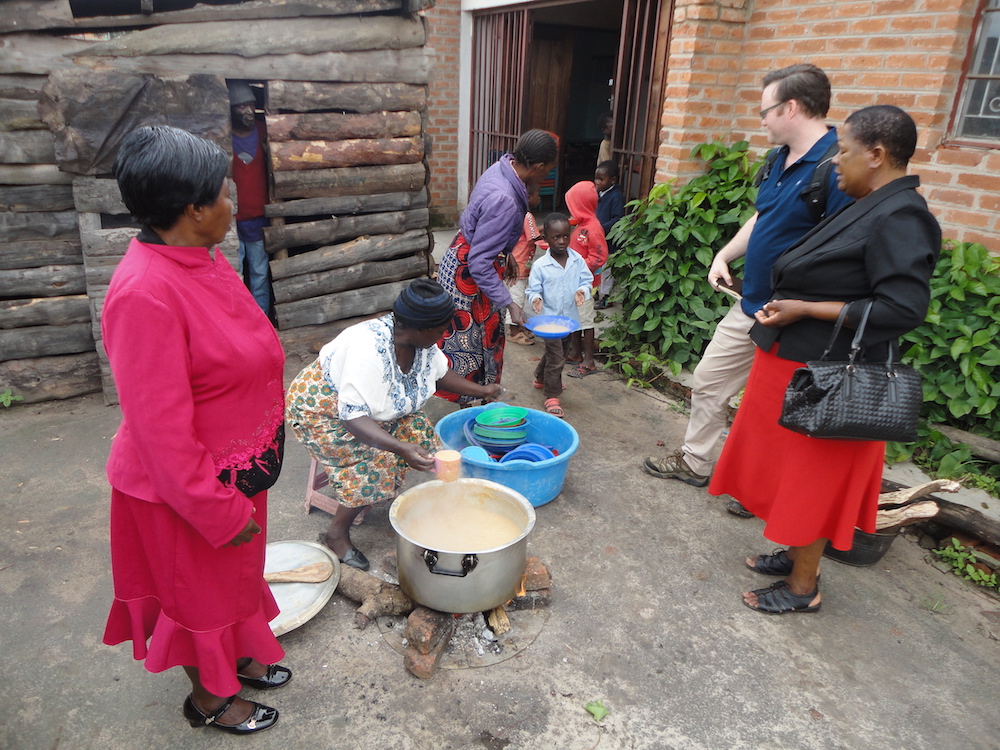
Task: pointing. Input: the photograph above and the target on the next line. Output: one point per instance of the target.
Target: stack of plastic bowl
(498, 431)
(528, 452)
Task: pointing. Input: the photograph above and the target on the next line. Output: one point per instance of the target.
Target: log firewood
(892, 518)
(331, 307)
(903, 496)
(333, 230)
(306, 96)
(348, 204)
(377, 597)
(360, 275)
(51, 378)
(297, 155)
(314, 183)
(360, 250)
(336, 126)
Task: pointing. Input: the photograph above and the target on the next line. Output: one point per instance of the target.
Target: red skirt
(195, 605)
(803, 488)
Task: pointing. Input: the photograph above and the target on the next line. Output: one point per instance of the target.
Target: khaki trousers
(720, 375)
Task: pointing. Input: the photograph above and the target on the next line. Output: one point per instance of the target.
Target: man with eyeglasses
(794, 103)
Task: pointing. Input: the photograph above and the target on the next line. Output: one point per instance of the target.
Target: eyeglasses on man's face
(764, 112)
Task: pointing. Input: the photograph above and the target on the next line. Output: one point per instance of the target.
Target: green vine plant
(8, 397)
(666, 244)
(963, 563)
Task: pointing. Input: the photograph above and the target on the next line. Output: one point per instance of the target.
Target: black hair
(610, 168)
(162, 170)
(603, 120)
(887, 126)
(806, 84)
(535, 147)
(553, 218)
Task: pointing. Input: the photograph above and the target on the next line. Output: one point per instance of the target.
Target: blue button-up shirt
(558, 285)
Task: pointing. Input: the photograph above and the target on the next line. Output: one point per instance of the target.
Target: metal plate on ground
(299, 602)
(463, 652)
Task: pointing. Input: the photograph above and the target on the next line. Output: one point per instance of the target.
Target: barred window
(979, 110)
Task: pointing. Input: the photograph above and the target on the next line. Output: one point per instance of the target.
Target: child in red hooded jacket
(588, 240)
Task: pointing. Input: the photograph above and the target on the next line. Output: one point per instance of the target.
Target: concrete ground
(646, 616)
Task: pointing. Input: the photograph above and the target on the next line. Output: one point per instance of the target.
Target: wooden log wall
(345, 84)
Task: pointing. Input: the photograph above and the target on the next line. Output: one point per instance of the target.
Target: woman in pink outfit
(199, 373)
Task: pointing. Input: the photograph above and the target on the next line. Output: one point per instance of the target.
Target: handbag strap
(856, 341)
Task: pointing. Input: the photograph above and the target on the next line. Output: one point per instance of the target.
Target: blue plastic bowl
(538, 481)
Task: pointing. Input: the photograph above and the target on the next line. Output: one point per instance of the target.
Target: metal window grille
(979, 112)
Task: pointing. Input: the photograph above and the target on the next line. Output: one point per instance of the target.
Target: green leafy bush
(964, 562)
(667, 242)
(957, 350)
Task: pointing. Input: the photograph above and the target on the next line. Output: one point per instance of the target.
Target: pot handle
(469, 563)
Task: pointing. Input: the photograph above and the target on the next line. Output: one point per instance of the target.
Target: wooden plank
(29, 15)
(44, 281)
(364, 98)
(27, 146)
(35, 253)
(23, 198)
(45, 341)
(348, 204)
(336, 126)
(16, 86)
(38, 54)
(983, 447)
(314, 183)
(98, 195)
(51, 378)
(349, 304)
(331, 230)
(282, 36)
(360, 250)
(37, 225)
(308, 340)
(958, 516)
(33, 174)
(19, 114)
(313, 285)
(404, 66)
(44, 311)
(106, 243)
(354, 152)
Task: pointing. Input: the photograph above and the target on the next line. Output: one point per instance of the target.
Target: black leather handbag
(853, 400)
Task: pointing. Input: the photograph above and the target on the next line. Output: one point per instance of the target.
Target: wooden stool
(317, 481)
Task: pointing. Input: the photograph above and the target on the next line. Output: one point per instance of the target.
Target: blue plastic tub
(538, 481)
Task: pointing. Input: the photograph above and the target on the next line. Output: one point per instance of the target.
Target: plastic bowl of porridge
(552, 326)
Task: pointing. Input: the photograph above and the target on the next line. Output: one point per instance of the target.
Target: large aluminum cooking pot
(462, 545)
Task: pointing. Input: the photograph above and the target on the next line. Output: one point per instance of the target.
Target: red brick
(954, 197)
(961, 157)
(536, 575)
(426, 628)
(423, 665)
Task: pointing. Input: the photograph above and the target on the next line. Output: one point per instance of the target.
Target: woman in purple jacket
(471, 268)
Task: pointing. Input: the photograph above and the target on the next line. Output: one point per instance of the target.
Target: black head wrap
(423, 304)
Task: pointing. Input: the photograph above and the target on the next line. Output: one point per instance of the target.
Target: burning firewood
(377, 597)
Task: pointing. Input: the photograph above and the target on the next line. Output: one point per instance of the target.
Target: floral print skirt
(359, 474)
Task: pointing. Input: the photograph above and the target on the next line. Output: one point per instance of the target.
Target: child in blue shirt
(558, 284)
(610, 208)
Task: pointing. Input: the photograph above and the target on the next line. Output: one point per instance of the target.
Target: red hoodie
(588, 235)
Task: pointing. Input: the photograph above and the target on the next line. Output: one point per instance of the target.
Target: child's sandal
(553, 407)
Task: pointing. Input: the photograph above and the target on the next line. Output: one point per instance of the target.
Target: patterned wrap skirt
(359, 474)
(474, 344)
(803, 488)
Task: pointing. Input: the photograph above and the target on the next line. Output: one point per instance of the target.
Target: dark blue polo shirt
(783, 218)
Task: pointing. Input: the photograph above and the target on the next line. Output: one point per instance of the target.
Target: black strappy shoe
(778, 599)
(276, 676)
(260, 718)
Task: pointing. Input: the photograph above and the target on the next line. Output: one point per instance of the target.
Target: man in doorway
(794, 103)
(250, 176)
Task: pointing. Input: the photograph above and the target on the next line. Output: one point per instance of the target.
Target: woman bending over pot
(880, 250)
(198, 369)
(357, 408)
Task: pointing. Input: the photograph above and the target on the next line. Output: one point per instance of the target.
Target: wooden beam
(313, 285)
(281, 36)
(97, 195)
(27, 198)
(349, 304)
(45, 341)
(44, 311)
(308, 340)
(333, 230)
(39, 54)
(33, 174)
(19, 114)
(336, 126)
(404, 66)
(51, 378)
(354, 152)
(16, 86)
(27, 146)
(360, 250)
(37, 225)
(348, 204)
(30, 15)
(959, 517)
(314, 183)
(983, 447)
(305, 96)
(35, 253)
(44, 281)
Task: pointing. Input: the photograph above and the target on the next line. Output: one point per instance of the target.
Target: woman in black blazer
(881, 249)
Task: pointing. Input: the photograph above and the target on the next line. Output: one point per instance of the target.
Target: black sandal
(260, 718)
(776, 564)
(778, 599)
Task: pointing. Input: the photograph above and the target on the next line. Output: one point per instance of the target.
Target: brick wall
(441, 124)
(904, 52)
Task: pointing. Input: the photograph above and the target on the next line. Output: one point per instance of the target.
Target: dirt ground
(646, 616)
